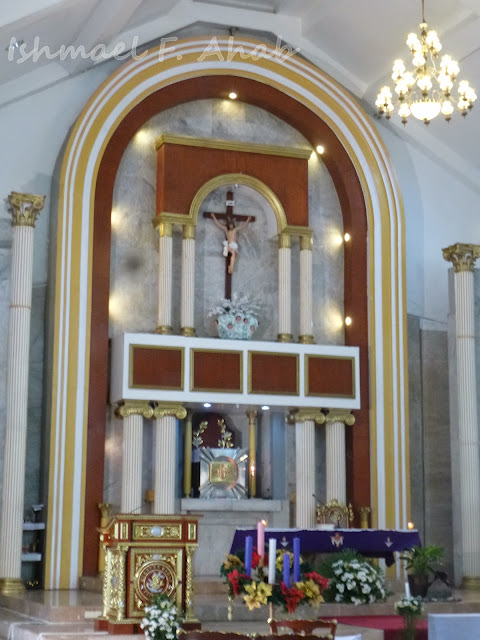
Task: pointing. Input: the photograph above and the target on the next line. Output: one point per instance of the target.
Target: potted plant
(422, 562)
(236, 318)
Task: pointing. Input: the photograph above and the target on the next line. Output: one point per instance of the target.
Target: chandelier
(426, 90)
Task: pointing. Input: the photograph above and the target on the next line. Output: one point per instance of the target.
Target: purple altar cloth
(373, 543)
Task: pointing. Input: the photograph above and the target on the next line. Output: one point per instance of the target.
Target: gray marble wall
(430, 449)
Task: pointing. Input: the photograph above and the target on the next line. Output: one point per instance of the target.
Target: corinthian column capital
(25, 208)
(462, 256)
(163, 410)
(340, 415)
(134, 408)
(306, 415)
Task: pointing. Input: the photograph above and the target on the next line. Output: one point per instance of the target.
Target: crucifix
(230, 246)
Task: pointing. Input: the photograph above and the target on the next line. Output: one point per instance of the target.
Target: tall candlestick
(296, 559)
(248, 555)
(272, 559)
(286, 569)
(261, 539)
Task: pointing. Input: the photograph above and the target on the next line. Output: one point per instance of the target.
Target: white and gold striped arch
(128, 86)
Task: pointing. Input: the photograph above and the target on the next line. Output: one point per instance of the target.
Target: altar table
(373, 543)
(458, 626)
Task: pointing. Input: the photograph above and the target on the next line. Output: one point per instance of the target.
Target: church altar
(373, 543)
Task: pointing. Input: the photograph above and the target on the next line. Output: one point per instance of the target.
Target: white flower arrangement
(161, 621)
(240, 303)
(356, 582)
(409, 607)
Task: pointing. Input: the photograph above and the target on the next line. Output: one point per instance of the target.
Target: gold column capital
(25, 208)
(164, 409)
(252, 416)
(340, 415)
(105, 511)
(306, 415)
(306, 243)
(462, 256)
(364, 513)
(165, 229)
(189, 231)
(134, 408)
(284, 241)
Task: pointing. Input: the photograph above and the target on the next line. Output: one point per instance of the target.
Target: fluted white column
(25, 209)
(336, 476)
(305, 508)
(165, 458)
(133, 413)
(165, 273)
(187, 321)
(306, 291)
(463, 257)
(284, 289)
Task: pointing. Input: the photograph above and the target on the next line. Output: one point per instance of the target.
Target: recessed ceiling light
(265, 407)
(207, 405)
(232, 95)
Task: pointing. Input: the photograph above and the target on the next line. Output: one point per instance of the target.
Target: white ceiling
(355, 41)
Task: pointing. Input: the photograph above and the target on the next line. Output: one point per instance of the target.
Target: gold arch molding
(246, 181)
(108, 107)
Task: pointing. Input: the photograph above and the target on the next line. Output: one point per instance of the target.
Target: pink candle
(261, 539)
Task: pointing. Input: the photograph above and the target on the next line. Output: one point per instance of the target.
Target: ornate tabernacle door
(146, 555)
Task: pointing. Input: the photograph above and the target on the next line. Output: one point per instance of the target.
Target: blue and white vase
(236, 326)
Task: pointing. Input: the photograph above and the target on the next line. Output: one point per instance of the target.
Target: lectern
(146, 555)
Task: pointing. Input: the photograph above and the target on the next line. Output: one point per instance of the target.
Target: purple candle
(248, 555)
(286, 569)
(296, 559)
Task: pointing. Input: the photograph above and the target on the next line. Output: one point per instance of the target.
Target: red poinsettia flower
(292, 596)
(320, 580)
(255, 559)
(234, 577)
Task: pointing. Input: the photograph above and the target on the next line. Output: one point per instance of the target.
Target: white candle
(261, 539)
(272, 558)
(407, 591)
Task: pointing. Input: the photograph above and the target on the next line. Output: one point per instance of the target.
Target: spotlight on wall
(347, 237)
(348, 321)
(410, 525)
(207, 405)
(320, 149)
(232, 95)
(142, 138)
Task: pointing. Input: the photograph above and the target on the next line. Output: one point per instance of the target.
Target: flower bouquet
(411, 609)
(161, 621)
(279, 590)
(354, 580)
(236, 317)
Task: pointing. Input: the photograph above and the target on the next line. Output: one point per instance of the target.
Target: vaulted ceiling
(355, 41)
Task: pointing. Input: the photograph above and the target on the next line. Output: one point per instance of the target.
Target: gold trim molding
(340, 415)
(305, 415)
(134, 408)
(284, 241)
(306, 243)
(165, 229)
(164, 330)
(162, 410)
(25, 208)
(230, 145)
(11, 585)
(462, 256)
(188, 332)
(306, 339)
(471, 583)
(285, 337)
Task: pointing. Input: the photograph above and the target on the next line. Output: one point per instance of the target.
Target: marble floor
(70, 615)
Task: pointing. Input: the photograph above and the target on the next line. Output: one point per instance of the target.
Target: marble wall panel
(417, 479)
(437, 450)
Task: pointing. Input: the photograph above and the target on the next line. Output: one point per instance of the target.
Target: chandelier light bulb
(426, 90)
